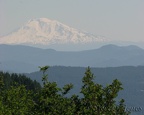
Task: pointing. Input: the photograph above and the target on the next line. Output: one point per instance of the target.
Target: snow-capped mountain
(44, 31)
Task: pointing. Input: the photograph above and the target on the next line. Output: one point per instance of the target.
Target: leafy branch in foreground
(96, 99)
(50, 99)
(99, 100)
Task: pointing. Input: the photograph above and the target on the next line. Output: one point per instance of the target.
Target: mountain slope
(44, 31)
(30, 58)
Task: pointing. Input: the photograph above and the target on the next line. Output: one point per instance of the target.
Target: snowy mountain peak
(44, 31)
(46, 20)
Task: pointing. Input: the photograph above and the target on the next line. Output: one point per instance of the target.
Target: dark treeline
(20, 95)
(13, 79)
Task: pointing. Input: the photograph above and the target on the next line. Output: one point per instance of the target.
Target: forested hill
(12, 79)
(132, 79)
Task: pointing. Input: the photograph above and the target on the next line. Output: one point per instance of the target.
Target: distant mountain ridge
(19, 58)
(43, 31)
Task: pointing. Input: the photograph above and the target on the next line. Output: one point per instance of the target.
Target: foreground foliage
(52, 100)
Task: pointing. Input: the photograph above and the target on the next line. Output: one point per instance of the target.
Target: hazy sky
(114, 19)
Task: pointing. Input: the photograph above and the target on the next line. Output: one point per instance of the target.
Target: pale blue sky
(114, 19)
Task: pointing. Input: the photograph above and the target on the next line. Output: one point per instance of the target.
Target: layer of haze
(114, 19)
